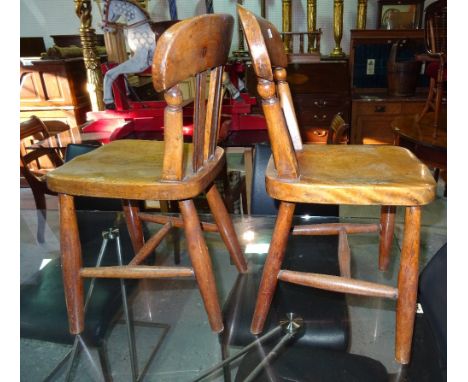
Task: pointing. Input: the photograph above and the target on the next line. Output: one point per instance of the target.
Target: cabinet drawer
(379, 108)
(319, 111)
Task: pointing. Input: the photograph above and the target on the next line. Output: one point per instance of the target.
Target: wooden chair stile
(137, 170)
(334, 174)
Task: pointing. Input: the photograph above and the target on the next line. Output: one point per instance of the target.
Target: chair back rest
(35, 162)
(269, 62)
(192, 47)
(435, 28)
(337, 131)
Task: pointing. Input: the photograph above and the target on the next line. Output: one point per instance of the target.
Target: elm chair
(135, 170)
(388, 176)
(35, 164)
(435, 39)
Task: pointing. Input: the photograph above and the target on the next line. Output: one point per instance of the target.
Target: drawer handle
(320, 133)
(379, 109)
(320, 103)
(322, 118)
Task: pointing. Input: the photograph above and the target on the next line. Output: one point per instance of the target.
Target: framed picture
(399, 14)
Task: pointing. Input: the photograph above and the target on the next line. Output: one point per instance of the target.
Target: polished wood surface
(136, 170)
(356, 175)
(388, 176)
(54, 89)
(408, 285)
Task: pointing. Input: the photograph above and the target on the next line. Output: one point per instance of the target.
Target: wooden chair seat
(376, 175)
(131, 169)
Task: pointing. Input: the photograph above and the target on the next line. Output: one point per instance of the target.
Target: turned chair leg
(70, 249)
(407, 285)
(226, 228)
(135, 230)
(387, 223)
(201, 263)
(272, 265)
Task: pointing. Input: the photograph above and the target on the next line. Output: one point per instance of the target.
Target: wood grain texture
(356, 175)
(151, 245)
(175, 221)
(136, 272)
(135, 230)
(70, 250)
(272, 265)
(191, 46)
(344, 254)
(407, 285)
(131, 169)
(284, 94)
(387, 223)
(334, 228)
(265, 43)
(226, 228)
(338, 284)
(201, 263)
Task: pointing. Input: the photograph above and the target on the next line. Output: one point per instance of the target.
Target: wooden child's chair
(35, 164)
(388, 176)
(135, 170)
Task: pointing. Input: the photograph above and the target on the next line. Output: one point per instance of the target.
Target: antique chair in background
(134, 170)
(334, 174)
(36, 163)
(435, 30)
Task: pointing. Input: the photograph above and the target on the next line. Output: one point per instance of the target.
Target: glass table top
(187, 346)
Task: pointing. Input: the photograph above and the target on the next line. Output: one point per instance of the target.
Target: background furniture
(372, 108)
(435, 39)
(135, 170)
(316, 99)
(54, 89)
(35, 164)
(334, 174)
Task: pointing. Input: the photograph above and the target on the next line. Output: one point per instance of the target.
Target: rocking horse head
(131, 11)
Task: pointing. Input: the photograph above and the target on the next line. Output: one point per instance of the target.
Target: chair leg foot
(226, 228)
(407, 285)
(201, 262)
(387, 223)
(272, 266)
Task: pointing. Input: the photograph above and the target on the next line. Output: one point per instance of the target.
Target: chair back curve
(197, 47)
(269, 62)
(435, 28)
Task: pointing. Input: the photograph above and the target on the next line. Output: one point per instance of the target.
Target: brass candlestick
(361, 14)
(90, 55)
(287, 17)
(311, 23)
(337, 28)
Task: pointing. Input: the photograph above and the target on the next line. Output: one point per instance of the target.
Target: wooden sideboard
(319, 90)
(372, 116)
(54, 90)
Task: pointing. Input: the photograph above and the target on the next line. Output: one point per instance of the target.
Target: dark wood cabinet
(373, 109)
(319, 90)
(372, 116)
(54, 89)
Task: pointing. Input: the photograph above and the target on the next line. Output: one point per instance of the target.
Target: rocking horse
(141, 36)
